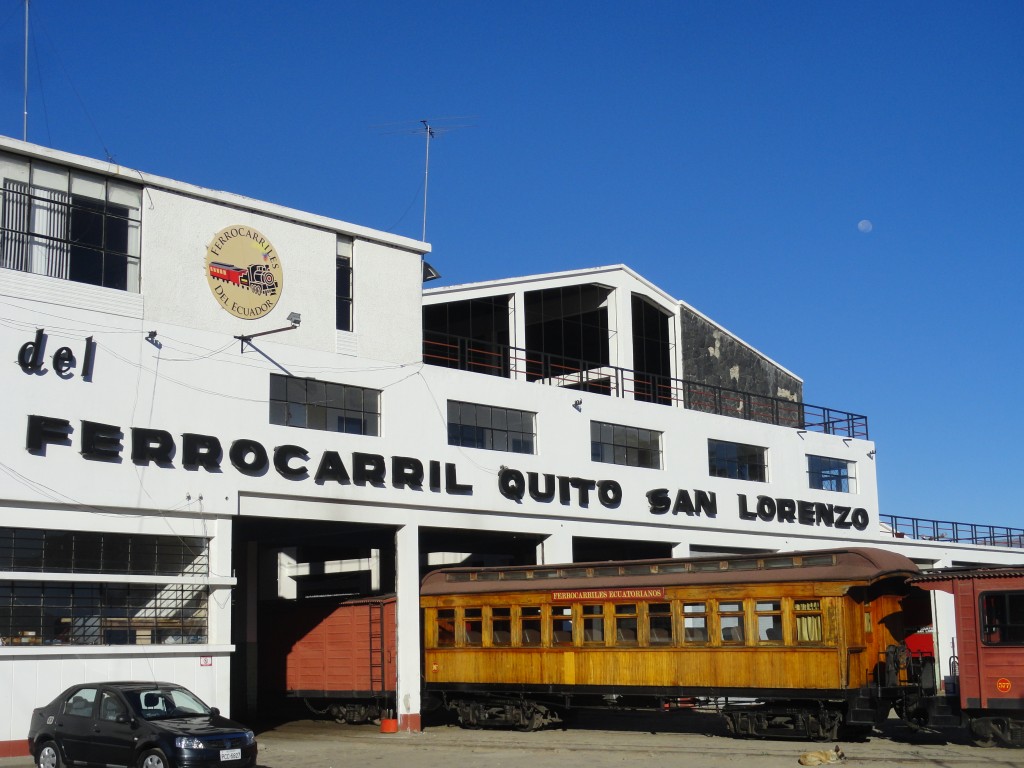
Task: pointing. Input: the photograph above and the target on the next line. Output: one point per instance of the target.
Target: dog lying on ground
(822, 757)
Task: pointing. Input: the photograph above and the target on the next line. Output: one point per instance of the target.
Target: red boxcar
(989, 606)
(340, 657)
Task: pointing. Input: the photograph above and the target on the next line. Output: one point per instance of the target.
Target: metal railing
(957, 533)
(517, 363)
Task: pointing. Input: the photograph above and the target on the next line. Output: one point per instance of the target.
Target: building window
(737, 461)
(313, 404)
(343, 284)
(1002, 618)
(629, 446)
(827, 474)
(490, 427)
(35, 550)
(101, 613)
(69, 224)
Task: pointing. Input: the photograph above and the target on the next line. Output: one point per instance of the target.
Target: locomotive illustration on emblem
(244, 272)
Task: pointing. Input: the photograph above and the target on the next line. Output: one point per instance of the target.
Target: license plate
(231, 754)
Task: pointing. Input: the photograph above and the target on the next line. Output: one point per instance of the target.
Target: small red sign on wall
(206, 661)
(1003, 685)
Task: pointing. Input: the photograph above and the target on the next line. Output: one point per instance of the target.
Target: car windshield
(159, 703)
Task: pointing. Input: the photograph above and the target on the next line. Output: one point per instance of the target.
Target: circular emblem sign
(244, 272)
(1003, 685)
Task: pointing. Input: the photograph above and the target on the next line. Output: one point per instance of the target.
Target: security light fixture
(293, 317)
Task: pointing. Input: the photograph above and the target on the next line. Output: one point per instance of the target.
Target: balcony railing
(957, 533)
(517, 363)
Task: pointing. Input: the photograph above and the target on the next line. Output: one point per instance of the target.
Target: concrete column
(517, 333)
(407, 588)
(620, 322)
(944, 630)
(681, 550)
(556, 548)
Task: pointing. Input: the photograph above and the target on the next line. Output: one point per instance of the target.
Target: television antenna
(24, 118)
(430, 129)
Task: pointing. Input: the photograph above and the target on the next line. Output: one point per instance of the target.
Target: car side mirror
(214, 711)
(123, 719)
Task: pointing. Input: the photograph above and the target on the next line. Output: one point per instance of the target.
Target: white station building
(215, 403)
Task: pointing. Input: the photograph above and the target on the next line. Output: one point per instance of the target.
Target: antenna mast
(24, 120)
(426, 176)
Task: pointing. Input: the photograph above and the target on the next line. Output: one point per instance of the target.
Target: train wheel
(983, 733)
(531, 723)
(316, 710)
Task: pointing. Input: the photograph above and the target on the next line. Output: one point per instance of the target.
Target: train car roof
(933, 578)
(857, 564)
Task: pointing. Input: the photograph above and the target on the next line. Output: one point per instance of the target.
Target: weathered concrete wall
(713, 356)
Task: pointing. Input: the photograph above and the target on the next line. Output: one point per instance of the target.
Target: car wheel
(48, 756)
(153, 758)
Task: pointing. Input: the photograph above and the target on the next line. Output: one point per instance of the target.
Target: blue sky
(727, 151)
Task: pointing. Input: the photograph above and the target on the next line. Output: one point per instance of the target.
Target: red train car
(989, 607)
(340, 657)
(229, 273)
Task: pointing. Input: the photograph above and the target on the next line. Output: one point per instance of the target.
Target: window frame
(625, 445)
(70, 224)
(832, 474)
(737, 465)
(1006, 629)
(296, 402)
(344, 285)
(489, 427)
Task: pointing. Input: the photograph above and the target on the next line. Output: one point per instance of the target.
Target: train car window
(561, 625)
(546, 573)
(575, 573)
(455, 577)
(473, 626)
(625, 624)
(488, 576)
(779, 562)
(808, 621)
(674, 568)
(530, 625)
(593, 624)
(731, 622)
(1002, 618)
(769, 621)
(501, 626)
(742, 565)
(695, 623)
(714, 565)
(445, 627)
(812, 560)
(513, 575)
(638, 570)
(659, 623)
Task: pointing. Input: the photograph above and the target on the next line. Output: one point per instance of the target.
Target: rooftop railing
(517, 363)
(957, 533)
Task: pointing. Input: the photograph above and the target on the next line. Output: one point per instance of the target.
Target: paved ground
(623, 740)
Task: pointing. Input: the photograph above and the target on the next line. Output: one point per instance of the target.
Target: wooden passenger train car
(788, 644)
(989, 689)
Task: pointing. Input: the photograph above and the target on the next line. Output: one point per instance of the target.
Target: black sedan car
(136, 724)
